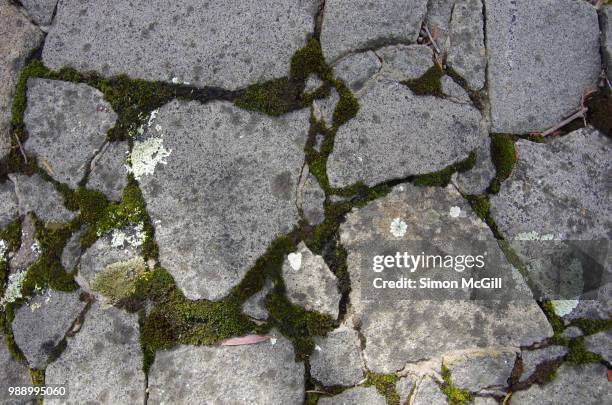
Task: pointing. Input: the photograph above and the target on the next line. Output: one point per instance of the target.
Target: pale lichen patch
(398, 228)
(118, 280)
(13, 289)
(146, 155)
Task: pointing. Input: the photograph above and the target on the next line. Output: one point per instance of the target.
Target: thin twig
(433, 42)
(579, 114)
(25, 158)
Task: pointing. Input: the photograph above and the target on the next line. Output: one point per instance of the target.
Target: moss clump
(503, 155)
(11, 235)
(600, 110)
(118, 281)
(309, 60)
(455, 395)
(428, 84)
(443, 177)
(578, 354)
(481, 205)
(347, 106)
(592, 326)
(385, 385)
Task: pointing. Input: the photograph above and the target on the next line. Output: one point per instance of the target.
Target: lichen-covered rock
(405, 331)
(255, 306)
(354, 25)
(336, 359)
(310, 283)
(354, 396)
(12, 374)
(226, 190)
(533, 358)
(254, 374)
(29, 247)
(356, 69)
(313, 200)
(8, 204)
(600, 343)
(102, 363)
(531, 88)
(477, 179)
(41, 11)
(108, 170)
(405, 62)
(453, 91)
(484, 369)
(229, 44)
(40, 197)
(587, 384)
(19, 38)
(42, 323)
(396, 134)
(67, 124)
(606, 14)
(467, 53)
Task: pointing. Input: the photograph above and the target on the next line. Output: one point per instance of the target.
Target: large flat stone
(402, 331)
(533, 358)
(405, 62)
(397, 134)
(67, 124)
(428, 392)
(477, 179)
(229, 44)
(250, 374)
(102, 363)
(42, 323)
(41, 11)
(479, 370)
(336, 359)
(9, 211)
(438, 20)
(530, 46)
(587, 384)
(226, 190)
(360, 24)
(40, 197)
(356, 69)
(12, 374)
(19, 38)
(108, 170)
(354, 396)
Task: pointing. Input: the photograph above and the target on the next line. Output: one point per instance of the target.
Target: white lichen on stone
(398, 228)
(13, 289)
(564, 307)
(120, 237)
(3, 249)
(455, 212)
(295, 260)
(146, 155)
(35, 248)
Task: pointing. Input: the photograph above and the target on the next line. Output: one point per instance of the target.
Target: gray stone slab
(571, 332)
(255, 306)
(405, 62)
(102, 363)
(229, 44)
(600, 343)
(67, 125)
(453, 91)
(479, 370)
(355, 396)
(19, 38)
(396, 134)
(467, 54)
(108, 170)
(12, 374)
(41, 11)
(359, 24)
(9, 210)
(313, 200)
(71, 254)
(336, 359)
(38, 196)
(226, 190)
(427, 392)
(606, 18)
(530, 85)
(477, 179)
(587, 384)
(29, 247)
(42, 323)
(255, 374)
(438, 19)
(404, 331)
(533, 358)
(356, 69)
(310, 283)
(405, 387)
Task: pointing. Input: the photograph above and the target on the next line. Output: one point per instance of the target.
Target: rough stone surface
(108, 171)
(41, 324)
(405, 62)
(438, 18)
(41, 11)
(255, 306)
(71, 254)
(405, 387)
(310, 283)
(12, 374)
(600, 343)
(336, 360)
(19, 38)
(467, 53)
(313, 199)
(531, 88)
(29, 248)
(358, 24)
(481, 369)
(324, 109)
(407, 331)
(397, 134)
(477, 179)
(606, 14)
(354, 396)
(228, 44)
(356, 69)
(67, 124)
(38, 196)
(587, 384)
(312, 83)
(262, 373)
(102, 362)
(571, 332)
(532, 358)
(453, 91)
(9, 210)
(217, 205)
(427, 392)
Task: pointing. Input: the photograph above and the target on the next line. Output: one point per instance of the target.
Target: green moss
(346, 108)
(11, 235)
(385, 385)
(481, 205)
(274, 97)
(443, 177)
(309, 60)
(454, 395)
(578, 354)
(311, 398)
(428, 84)
(592, 326)
(503, 155)
(475, 96)
(600, 111)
